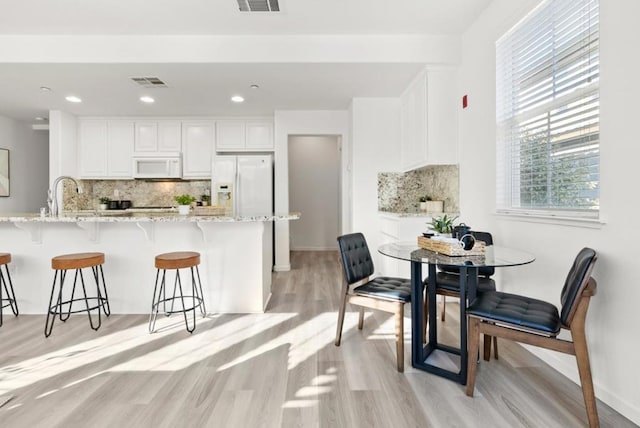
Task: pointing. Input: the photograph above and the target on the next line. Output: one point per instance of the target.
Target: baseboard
(333, 248)
(619, 404)
(282, 268)
(266, 303)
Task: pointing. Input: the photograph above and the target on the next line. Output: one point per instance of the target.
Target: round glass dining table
(494, 256)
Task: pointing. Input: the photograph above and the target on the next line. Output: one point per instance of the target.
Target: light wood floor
(278, 369)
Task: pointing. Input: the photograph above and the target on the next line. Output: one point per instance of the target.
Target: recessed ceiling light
(45, 89)
(237, 99)
(147, 99)
(73, 99)
(254, 86)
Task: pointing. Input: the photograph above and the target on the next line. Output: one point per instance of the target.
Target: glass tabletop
(495, 256)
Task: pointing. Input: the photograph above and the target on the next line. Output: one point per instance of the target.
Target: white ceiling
(204, 89)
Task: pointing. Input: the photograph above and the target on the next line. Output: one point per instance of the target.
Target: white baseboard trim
(266, 303)
(334, 248)
(281, 268)
(619, 404)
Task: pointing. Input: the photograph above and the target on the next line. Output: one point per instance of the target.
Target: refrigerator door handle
(236, 202)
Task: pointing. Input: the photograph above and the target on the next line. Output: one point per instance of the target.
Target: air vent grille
(259, 5)
(149, 82)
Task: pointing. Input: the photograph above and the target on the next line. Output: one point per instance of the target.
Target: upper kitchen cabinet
(428, 119)
(105, 148)
(158, 136)
(198, 143)
(244, 135)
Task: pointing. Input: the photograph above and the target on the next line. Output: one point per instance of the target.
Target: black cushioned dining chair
(383, 293)
(448, 285)
(535, 322)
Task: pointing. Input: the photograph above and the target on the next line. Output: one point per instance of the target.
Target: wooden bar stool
(7, 286)
(176, 261)
(63, 306)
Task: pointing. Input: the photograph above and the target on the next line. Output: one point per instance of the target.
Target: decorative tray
(451, 249)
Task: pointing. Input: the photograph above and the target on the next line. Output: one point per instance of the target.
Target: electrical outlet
(116, 193)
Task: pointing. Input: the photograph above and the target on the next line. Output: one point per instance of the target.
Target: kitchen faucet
(52, 194)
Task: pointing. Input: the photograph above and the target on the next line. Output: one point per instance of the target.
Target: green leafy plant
(205, 198)
(425, 198)
(104, 200)
(184, 199)
(443, 224)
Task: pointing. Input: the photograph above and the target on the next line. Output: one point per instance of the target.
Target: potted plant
(104, 201)
(184, 203)
(205, 200)
(443, 225)
(423, 202)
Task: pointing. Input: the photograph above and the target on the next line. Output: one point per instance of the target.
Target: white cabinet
(92, 148)
(105, 148)
(428, 119)
(442, 116)
(241, 135)
(413, 124)
(394, 227)
(198, 142)
(158, 136)
(119, 148)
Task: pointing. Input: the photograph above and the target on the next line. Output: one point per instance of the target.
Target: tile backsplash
(141, 193)
(400, 192)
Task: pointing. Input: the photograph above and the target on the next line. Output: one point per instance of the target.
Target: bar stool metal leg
(155, 303)
(7, 285)
(55, 309)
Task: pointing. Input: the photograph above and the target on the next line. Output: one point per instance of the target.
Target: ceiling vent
(149, 82)
(259, 5)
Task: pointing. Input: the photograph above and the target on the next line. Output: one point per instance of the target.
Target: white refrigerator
(247, 180)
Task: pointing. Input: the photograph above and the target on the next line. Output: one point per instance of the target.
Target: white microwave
(157, 165)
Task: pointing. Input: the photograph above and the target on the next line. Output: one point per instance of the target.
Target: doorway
(314, 190)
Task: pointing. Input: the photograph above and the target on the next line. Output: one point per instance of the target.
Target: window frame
(510, 121)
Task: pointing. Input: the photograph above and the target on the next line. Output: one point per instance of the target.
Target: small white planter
(183, 209)
(103, 207)
(423, 206)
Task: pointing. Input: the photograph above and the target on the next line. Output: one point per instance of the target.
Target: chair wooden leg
(444, 307)
(361, 318)
(343, 305)
(487, 347)
(584, 368)
(473, 345)
(495, 347)
(399, 315)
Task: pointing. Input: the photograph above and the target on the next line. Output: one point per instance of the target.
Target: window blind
(547, 110)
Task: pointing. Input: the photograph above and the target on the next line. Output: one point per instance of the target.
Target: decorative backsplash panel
(141, 193)
(400, 192)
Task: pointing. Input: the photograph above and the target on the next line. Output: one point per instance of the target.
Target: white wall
(611, 330)
(28, 166)
(314, 172)
(375, 127)
(311, 122)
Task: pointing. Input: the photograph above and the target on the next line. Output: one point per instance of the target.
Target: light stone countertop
(139, 217)
(414, 214)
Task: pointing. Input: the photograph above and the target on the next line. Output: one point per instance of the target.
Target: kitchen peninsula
(235, 268)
